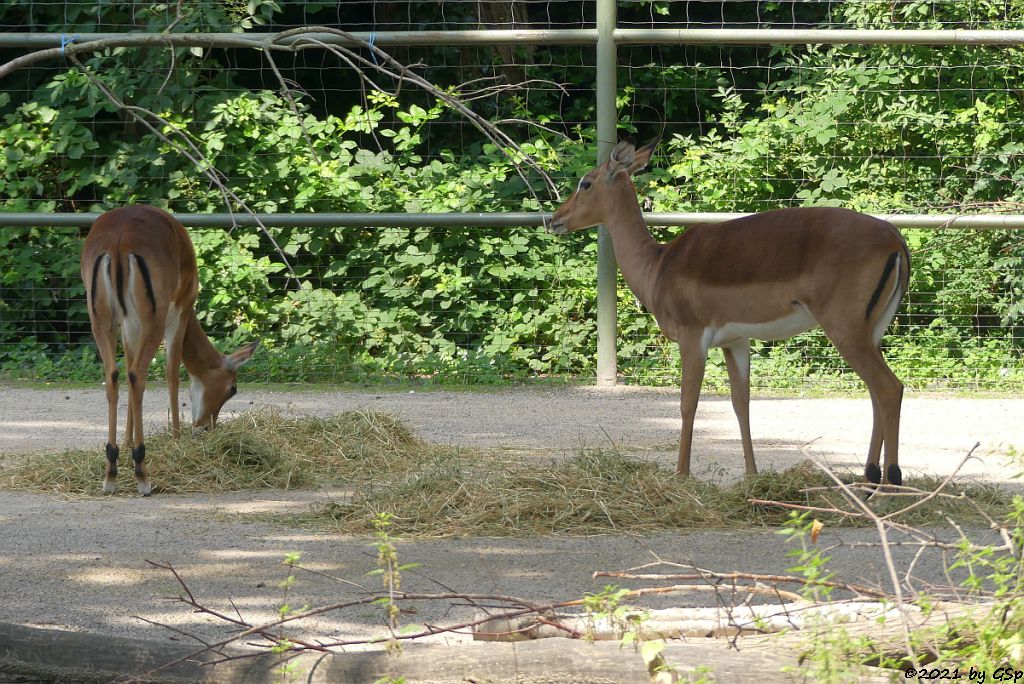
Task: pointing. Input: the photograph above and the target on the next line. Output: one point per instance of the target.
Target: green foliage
(810, 560)
(873, 128)
(993, 639)
(885, 129)
(406, 301)
(34, 288)
(390, 571)
(987, 638)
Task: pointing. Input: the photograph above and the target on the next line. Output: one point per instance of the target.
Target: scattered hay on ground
(599, 491)
(258, 450)
(434, 490)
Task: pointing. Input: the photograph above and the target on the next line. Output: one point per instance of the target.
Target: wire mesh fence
(431, 314)
(881, 129)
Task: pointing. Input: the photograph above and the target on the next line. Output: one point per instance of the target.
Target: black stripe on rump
(881, 284)
(144, 269)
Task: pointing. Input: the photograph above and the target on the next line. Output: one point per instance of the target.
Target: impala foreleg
(174, 336)
(129, 428)
(694, 359)
(737, 361)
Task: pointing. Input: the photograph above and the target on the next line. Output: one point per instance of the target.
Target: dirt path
(79, 562)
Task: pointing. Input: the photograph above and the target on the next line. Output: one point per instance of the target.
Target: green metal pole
(607, 269)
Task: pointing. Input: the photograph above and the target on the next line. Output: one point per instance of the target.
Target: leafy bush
(483, 305)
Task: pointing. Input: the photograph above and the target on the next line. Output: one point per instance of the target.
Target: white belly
(800, 320)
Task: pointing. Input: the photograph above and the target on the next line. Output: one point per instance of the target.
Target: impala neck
(197, 351)
(636, 250)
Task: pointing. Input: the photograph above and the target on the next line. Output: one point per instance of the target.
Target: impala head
(211, 389)
(591, 201)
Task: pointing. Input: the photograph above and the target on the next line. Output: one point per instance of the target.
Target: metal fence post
(607, 269)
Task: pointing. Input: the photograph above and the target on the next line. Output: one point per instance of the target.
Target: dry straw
(258, 450)
(433, 490)
(596, 491)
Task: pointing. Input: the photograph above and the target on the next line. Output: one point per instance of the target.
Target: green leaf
(650, 650)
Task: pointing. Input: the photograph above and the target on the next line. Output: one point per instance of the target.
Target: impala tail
(892, 286)
(103, 281)
(114, 291)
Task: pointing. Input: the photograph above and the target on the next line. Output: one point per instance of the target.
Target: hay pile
(433, 490)
(258, 450)
(598, 492)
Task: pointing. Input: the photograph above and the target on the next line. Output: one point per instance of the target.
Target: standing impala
(769, 276)
(139, 269)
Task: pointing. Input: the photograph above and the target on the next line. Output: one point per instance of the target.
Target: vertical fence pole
(607, 269)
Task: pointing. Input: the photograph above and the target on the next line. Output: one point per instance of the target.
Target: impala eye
(585, 184)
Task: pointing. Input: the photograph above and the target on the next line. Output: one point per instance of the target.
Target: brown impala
(139, 269)
(769, 276)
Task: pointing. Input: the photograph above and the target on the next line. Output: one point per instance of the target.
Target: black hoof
(873, 474)
(894, 475)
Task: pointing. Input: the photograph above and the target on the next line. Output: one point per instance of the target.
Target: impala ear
(240, 357)
(625, 158)
(621, 158)
(642, 157)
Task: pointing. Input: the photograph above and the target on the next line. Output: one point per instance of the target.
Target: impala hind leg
(694, 359)
(737, 362)
(872, 473)
(886, 401)
(106, 343)
(137, 371)
(129, 426)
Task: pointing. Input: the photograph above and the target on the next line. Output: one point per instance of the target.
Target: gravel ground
(79, 562)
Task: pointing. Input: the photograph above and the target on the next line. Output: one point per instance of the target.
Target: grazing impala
(769, 276)
(139, 269)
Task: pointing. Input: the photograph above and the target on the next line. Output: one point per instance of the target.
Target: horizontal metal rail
(481, 220)
(622, 36)
(816, 37)
(379, 38)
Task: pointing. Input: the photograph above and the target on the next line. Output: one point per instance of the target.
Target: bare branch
(295, 40)
(287, 93)
(753, 577)
(193, 154)
(139, 40)
(938, 489)
(880, 526)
